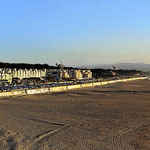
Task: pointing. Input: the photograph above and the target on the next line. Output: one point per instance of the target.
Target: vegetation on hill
(28, 66)
(104, 73)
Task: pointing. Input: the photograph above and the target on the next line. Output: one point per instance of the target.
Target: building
(54, 73)
(86, 74)
(8, 74)
(60, 74)
(28, 73)
(65, 74)
(75, 74)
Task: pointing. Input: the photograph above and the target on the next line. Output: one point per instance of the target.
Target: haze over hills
(129, 66)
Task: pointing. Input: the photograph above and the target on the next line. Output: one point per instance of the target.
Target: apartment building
(86, 74)
(75, 74)
(7, 74)
(60, 74)
(28, 73)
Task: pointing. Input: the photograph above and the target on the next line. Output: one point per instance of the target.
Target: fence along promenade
(65, 88)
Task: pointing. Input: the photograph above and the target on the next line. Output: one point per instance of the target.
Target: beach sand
(111, 117)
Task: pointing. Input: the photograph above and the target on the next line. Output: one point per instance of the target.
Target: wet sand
(111, 117)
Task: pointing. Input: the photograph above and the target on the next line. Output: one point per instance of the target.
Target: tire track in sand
(38, 138)
(14, 141)
(120, 140)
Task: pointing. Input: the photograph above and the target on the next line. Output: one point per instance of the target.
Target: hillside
(28, 66)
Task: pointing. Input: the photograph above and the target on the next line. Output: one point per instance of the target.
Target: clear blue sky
(81, 32)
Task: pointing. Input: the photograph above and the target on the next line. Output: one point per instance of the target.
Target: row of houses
(8, 74)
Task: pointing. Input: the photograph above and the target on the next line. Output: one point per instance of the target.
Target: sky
(80, 32)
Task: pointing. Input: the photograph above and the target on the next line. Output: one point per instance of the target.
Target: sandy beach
(111, 117)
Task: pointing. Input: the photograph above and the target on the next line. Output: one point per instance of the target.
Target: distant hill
(129, 66)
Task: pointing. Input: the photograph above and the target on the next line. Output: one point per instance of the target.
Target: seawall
(64, 88)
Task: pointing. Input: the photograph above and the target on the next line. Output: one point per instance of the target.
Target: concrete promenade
(64, 88)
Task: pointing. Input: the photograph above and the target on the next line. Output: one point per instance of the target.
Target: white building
(8, 74)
